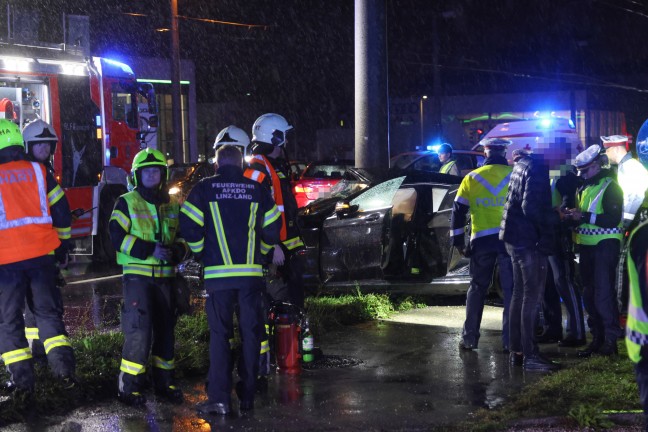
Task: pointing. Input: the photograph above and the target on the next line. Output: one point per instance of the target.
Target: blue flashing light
(124, 67)
(434, 148)
(98, 121)
(571, 124)
(545, 123)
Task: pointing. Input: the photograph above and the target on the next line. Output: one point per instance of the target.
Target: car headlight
(174, 190)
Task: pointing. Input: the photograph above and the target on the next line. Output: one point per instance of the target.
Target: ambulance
(558, 134)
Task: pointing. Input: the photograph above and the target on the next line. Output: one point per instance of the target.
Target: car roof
(426, 152)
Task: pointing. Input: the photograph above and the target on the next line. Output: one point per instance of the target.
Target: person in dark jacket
(562, 282)
(599, 216)
(224, 220)
(269, 166)
(527, 229)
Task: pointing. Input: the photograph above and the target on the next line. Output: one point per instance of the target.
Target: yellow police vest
(145, 224)
(484, 191)
(556, 198)
(591, 200)
(445, 169)
(637, 325)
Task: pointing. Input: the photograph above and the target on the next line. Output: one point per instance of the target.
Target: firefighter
(238, 137)
(232, 135)
(449, 164)
(34, 209)
(269, 167)
(598, 215)
(143, 228)
(483, 193)
(637, 325)
(225, 219)
(40, 144)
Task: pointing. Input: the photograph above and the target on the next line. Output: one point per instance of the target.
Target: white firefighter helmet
(270, 129)
(39, 131)
(232, 135)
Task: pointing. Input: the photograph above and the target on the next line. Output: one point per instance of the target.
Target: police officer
(40, 145)
(598, 215)
(631, 175)
(269, 167)
(483, 193)
(637, 325)
(449, 164)
(225, 219)
(35, 207)
(633, 179)
(143, 228)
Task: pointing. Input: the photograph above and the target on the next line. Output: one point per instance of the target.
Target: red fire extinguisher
(287, 332)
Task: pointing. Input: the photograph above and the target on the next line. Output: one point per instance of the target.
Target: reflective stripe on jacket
(25, 219)
(146, 222)
(224, 220)
(590, 200)
(637, 325)
(289, 234)
(484, 192)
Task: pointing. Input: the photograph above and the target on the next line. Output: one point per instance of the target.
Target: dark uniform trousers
(561, 285)
(148, 318)
(641, 374)
(220, 309)
(599, 290)
(38, 285)
(482, 266)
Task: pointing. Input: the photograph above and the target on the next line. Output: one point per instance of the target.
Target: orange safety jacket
(277, 195)
(25, 221)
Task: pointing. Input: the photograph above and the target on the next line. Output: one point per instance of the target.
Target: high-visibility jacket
(25, 218)
(483, 191)
(262, 170)
(449, 166)
(224, 220)
(143, 222)
(637, 324)
(633, 179)
(590, 199)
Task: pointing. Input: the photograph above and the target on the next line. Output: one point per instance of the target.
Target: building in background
(158, 72)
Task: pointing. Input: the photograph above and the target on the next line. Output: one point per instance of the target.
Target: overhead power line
(208, 20)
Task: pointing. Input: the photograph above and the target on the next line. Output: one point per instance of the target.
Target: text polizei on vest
(489, 202)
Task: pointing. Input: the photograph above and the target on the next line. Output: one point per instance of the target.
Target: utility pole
(176, 101)
(371, 98)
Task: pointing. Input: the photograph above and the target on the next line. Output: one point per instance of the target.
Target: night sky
(300, 63)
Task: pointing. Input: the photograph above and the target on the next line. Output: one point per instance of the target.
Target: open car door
(352, 239)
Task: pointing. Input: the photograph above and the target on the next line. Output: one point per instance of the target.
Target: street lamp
(421, 119)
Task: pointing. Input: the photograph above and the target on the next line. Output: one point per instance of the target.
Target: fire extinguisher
(287, 331)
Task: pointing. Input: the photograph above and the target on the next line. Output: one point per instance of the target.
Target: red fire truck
(92, 103)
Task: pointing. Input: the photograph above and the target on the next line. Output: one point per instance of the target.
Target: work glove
(162, 252)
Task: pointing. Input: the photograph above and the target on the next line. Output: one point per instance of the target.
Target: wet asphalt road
(412, 376)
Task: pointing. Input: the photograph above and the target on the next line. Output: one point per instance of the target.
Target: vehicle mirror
(344, 209)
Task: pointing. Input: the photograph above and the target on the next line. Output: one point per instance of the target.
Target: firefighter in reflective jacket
(268, 166)
(637, 325)
(483, 192)
(224, 220)
(40, 145)
(34, 211)
(599, 216)
(143, 228)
